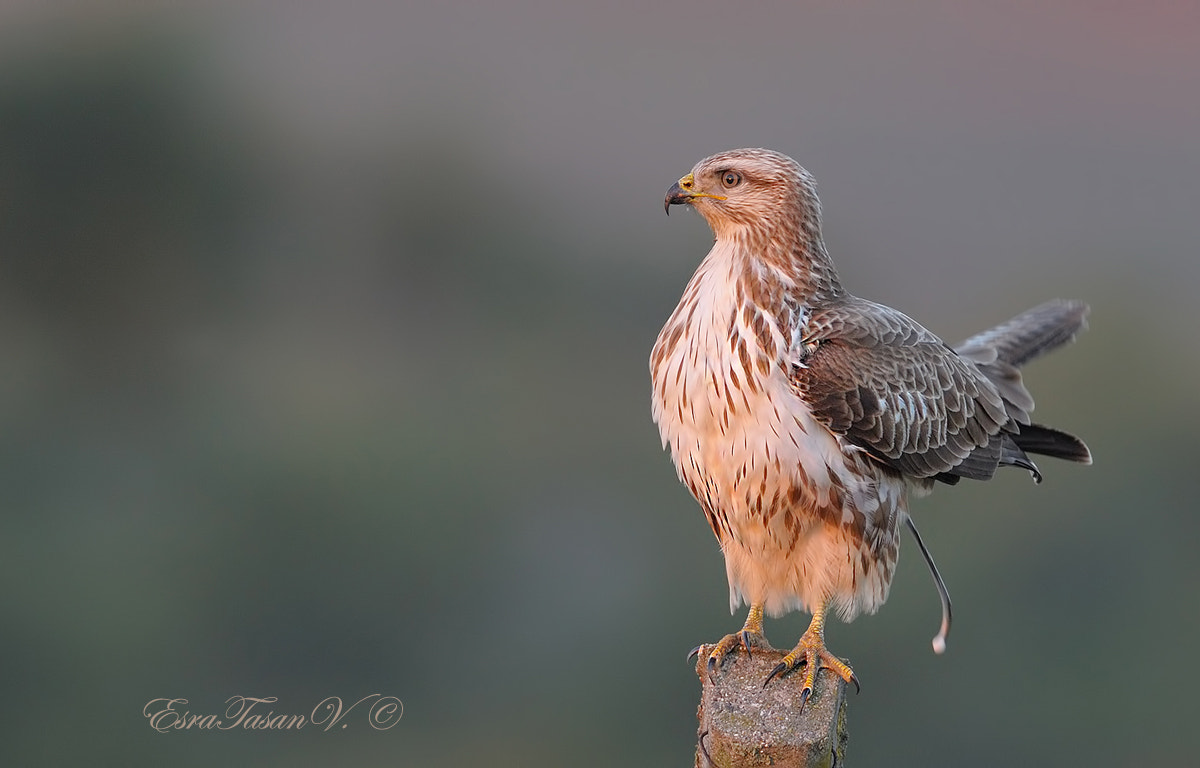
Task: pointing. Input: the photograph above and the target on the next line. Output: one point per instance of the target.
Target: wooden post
(743, 724)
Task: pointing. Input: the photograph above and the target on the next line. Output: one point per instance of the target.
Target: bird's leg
(811, 652)
(750, 635)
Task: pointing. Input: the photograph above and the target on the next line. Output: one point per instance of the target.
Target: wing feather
(892, 388)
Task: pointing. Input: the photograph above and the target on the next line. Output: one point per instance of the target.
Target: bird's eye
(731, 179)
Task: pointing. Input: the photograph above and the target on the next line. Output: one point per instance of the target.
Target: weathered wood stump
(743, 724)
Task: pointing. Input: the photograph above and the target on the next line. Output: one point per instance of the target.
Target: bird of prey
(801, 416)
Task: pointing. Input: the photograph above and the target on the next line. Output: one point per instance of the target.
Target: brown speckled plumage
(799, 415)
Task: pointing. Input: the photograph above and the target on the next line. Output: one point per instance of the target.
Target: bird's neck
(796, 260)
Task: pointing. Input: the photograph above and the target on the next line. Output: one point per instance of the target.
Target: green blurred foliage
(284, 425)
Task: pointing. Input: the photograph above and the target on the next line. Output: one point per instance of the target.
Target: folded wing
(892, 388)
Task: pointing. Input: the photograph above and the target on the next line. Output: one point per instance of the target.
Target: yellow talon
(751, 635)
(812, 653)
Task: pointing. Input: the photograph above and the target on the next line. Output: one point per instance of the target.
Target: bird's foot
(813, 655)
(746, 639)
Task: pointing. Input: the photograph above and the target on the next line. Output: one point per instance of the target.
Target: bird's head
(754, 188)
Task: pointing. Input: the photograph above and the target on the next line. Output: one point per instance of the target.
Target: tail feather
(999, 353)
(1055, 443)
(1028, 335)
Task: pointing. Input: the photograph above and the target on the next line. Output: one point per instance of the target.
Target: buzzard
(800, 416)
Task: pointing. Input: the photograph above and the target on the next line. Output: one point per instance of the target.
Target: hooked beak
(684, 192)
(675, 196)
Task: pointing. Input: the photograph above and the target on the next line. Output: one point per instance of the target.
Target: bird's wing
(888, 386)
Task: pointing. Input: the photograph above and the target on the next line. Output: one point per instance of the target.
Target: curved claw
(814, 658)
(728, 646)
(694, 652)
(807, 692)
(780, 668)
(804, 697)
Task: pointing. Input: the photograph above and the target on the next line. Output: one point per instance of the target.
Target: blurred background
(324, 332)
